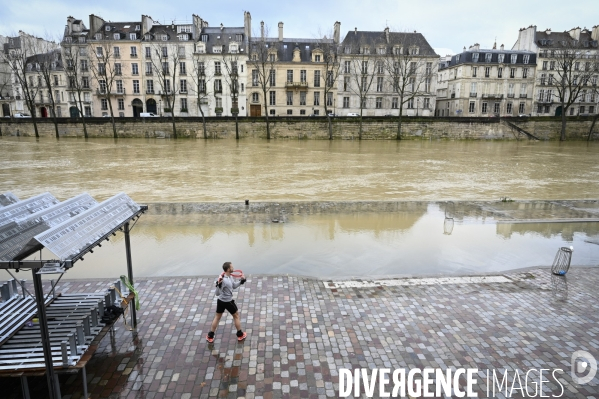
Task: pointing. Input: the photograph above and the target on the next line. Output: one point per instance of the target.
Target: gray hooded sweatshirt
(225, 292)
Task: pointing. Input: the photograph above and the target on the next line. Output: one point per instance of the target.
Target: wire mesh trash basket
(561, 264)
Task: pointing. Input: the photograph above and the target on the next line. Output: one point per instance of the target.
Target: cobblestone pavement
(301, 331)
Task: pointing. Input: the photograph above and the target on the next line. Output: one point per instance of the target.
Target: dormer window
(239, 38)
(200, 48)
(500, 58)
(488, 57)
(137, 27)
(233, 48)
(526, 58)
(365, 50)
(107, 28)
(382, 50)
(474, 57)
(414, 50)
(132, 36)
(81, 39)
(68, 39)
(317, 58)
(347, 50)
(164, 38)
(116, 36)
(183, 38)
(98, 36)
(217, 49)
(148, 37)
(514, 58)
(204, 38)
(457, 58)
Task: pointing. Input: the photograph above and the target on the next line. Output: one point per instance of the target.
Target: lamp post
(160, 107)
(417, 105)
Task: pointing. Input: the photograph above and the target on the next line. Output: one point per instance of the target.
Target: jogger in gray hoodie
(225, 286)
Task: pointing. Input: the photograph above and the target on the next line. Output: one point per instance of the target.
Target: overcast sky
(448, 25)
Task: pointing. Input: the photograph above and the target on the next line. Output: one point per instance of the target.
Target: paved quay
(302, 331)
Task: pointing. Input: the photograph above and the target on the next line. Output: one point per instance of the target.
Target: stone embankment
(373, 128)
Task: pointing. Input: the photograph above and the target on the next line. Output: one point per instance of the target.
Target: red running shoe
(242, 337)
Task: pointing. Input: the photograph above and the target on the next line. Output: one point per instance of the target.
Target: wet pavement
(302, 331)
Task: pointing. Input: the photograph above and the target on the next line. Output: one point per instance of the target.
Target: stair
(519, 129)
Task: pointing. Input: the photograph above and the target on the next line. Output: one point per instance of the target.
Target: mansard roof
(217, 36)
(357, 39)
(467, 57)
(547, 39)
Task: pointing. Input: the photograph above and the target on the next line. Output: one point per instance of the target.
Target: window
(165, 68)
(474, 57)
(316, 78)
(98, 36)
(303, 76)
(271, 78)
(183, 86)
(272, 98)
(496, 108)
(411, 103)
(512, 73)
(487, 72)
(55, 80)
(182, 68)
(148, 52)
(202, 86)
(427, 85)
(429, 68)
(201, 68)
(379, 84)
(271, 112)
(119, 86)
(290, 75)
(217, 70)
(149, 87)
(255, 97)
(484, 108)
(183, 38)
(345, 83)
(364, 66)
(136, 86)
(85, 82)
(380, 67)
(104, 104)
(99, 51)
(550, 78)
(500, 58)
(427, 103)
(394, 102)
(132, 36)
(289, 98)
(167, 86)
(364, 83)
(543, 79)
(329, 99)
(474, 70)
(526, 58)
(346, 66)
(525, 73)
(473, 89)
(148, 68)
(500, 72)
(271, 58)
(302, 98)
(121, 104)
(204, 38)
(541, 95)
(514, 58)
(317, 58)
(316, 98)
(118, 70)
(521, 108)
(471, 107)
(345, 102)
(330, 79)
(164, 52)
(488, 57)
(102, 84)
(379, 103)
(254, 77)
(133, 52)
(218, 86)
(552, 65)
(509, 108)
(183, 105)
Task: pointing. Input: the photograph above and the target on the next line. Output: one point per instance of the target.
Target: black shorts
(229, 306)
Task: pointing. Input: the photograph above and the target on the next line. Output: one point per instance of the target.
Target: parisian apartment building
(486, 83)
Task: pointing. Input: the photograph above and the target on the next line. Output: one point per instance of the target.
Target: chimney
(262, 29)
(501, 47)
(595, 34)
(336, 32)
(95, 23)
(247, 24)
(548, 31)
(387, 34)
(280, 31)
(222, 27)
(575, 33)
(355, 31)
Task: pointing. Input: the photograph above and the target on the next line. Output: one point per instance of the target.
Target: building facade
(486, 82)
(582, 74)
(382, 72)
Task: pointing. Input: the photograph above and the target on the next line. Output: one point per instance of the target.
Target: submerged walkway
(301, 331)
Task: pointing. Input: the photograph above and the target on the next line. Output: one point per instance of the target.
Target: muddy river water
(410, 240)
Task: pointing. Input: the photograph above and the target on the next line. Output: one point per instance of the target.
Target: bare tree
(569, 72)
(166, 68)
(106, 71)
(330, 62)
(263, 55)
(5, 85)
(362, 74)
(18, 58)
(231, 65)
(76, 66)
(594, 95)
(49, 62)
(201, 78)
(408, 75)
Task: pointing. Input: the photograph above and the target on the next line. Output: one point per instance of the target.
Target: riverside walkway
(302, 331)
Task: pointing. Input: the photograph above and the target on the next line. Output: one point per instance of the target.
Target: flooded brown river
(407, 242)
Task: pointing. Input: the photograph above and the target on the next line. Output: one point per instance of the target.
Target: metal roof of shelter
(26, 207)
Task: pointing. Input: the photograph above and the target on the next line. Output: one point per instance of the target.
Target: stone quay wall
(373, 128)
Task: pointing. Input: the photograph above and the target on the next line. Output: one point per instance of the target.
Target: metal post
(130, 272)
(84, 377)
(41, 313)
(25, 387)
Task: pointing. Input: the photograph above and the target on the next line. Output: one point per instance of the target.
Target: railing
(492, 95)
(149, 91)
(133, 55)
(452, 95)
(296, 84)
(473, 94)
(510, 95)
(523, 95)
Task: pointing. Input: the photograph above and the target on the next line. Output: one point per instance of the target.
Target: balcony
(497, 96)
(149, 91)
(473, 94)
(296, 85)
(452, 95)
(133, 55)
(523, 95)
(511, 95)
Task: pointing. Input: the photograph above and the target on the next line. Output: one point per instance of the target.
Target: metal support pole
(130, 273)
(41, 313)
(25, 387)
(84, 377)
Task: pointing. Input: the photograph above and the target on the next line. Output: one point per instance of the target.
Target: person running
(225, 286)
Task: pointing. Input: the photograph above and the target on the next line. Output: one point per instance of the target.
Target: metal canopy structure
(68, 229)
